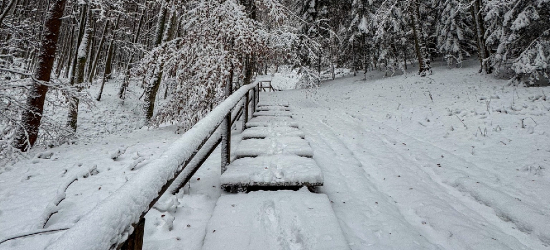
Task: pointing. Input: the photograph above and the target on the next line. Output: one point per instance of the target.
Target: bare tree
(31, 117)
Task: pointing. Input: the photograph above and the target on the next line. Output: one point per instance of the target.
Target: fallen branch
(42, 231)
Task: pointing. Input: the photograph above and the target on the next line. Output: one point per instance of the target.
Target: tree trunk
(96, 57)
(126, 82)
(108, 61)
(81, 30)
(64, 51)
(81, 57)
(479, 28)
(70, 52)
(31, 118)
(92, 43)
(420, 47)
(250, 60)
(163, 34)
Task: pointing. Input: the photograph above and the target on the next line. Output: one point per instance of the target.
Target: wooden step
(271, 104)
(263, 132)
(273, 108)
(273, 113)
(274, 220)
(274, 146)
(271, 172)
(271, 121)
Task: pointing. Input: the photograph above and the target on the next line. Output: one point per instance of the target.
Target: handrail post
(257, 97)
(254, 99)
(226, 130)
(135, 240)
(246, 105)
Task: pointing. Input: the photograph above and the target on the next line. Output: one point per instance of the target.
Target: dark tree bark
(31, 117)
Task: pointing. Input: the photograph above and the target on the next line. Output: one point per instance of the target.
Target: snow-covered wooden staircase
(273, 155)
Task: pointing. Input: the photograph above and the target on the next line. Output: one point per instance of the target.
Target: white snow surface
(275, 170)
(274, 220)
(456, 160)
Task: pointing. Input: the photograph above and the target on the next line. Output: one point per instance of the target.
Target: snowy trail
(389, 195)
(367, 217)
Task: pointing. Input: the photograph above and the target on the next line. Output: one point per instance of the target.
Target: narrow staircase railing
(118, 221)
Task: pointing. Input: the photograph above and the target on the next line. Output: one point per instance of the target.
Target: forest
(185, 52)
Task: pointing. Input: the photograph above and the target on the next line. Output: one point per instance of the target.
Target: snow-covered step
(271, 121)
(273, 108)
(263, 132)
(269, 220)
(273, 113)
(274, 146)
(272, 171)
(270, 104)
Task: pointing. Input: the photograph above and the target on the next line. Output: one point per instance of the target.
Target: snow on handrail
(108, 224)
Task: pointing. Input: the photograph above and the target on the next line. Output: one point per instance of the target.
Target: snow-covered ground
(456, 160)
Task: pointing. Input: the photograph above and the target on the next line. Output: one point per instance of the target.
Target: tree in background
(454, 33)
(519, 33)
(27, 131)
(189, 48)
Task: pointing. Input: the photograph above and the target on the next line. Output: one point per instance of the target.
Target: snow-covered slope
(456, 160)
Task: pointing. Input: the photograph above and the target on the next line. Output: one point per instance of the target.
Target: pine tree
(454, 35)
(519, 31)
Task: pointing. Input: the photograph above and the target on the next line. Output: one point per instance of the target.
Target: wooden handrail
(266, 87)
(113, 221)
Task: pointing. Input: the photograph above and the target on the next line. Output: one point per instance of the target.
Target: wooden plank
(270, 220)
(274, 146)
(263, 132)
(269, 104)
(272, 171)
(271, 121)
(273, 108)
(273, 113)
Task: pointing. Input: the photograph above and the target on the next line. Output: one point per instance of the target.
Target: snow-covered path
(387, 198)
(391, 190)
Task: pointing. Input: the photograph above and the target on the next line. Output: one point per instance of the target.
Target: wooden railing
(118, 222)
(266, 86)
